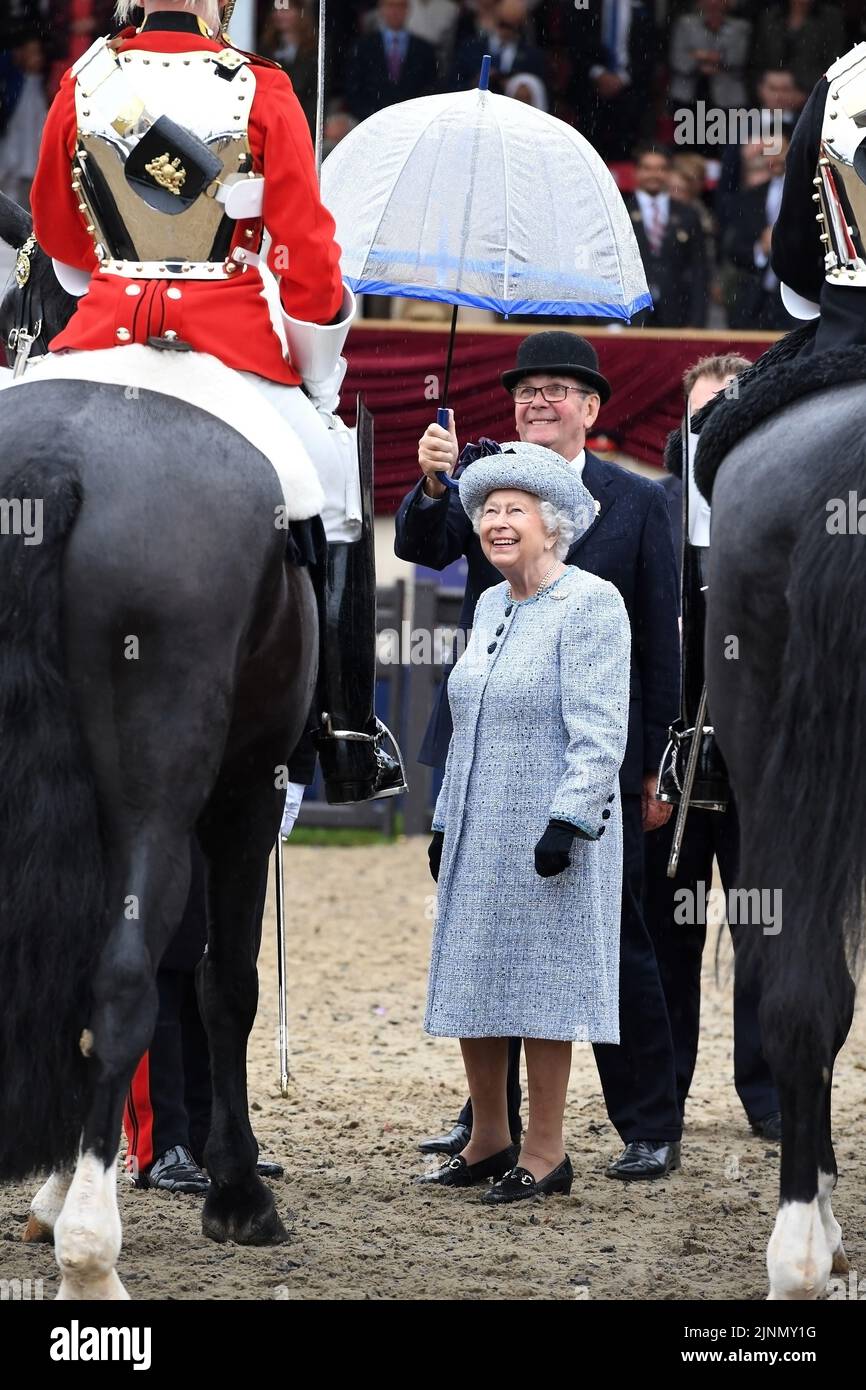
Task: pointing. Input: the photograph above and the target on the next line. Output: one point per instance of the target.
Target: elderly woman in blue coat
(527, 844)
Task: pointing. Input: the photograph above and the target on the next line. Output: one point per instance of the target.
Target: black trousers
(679, 948)
(637, 1076)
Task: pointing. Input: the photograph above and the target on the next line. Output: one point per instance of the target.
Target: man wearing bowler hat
(558, 392)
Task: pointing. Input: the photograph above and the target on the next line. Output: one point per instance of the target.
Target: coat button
(610, 798)
(601, 829)
(605, 815)
(133, 289)
(123, 335)
(492, 647)
(500, 629)
(508, 611)
(174, 293)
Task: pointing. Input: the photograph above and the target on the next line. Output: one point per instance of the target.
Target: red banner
(400, 371)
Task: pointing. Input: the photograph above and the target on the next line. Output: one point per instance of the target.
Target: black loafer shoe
(458, 1173)
(770, 1127)
(643, 1159)
(270, 1170)
(518, 1184)
(176, 1171)
(450, 1143)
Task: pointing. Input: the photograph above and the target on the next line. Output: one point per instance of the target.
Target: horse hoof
(104, 1288)
(36, 1230)
(248, 1218)
(840, 1260)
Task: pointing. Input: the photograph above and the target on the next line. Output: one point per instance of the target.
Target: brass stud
(90, 227)
(166, 63)
(819, 217)
(824, 237)
(85, 113)
(139, 267)
(249, 234)
(76, 184)
(82, 207)
(833, 115)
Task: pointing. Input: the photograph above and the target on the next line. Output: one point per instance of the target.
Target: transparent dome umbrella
(474, 198)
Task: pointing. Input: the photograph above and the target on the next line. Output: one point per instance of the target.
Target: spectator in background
(435, 21)
(508, 46)
(686, 183)
(23, 109)
(802, 36)
(779, 102)
(525, 86)
(751, 289)
(615, 50)
(390, 65)
(671, 242)
(336, 128)
(289, 38)
(708, 55)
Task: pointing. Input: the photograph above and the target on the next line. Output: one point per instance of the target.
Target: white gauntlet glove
(294, 797)
(314, 351)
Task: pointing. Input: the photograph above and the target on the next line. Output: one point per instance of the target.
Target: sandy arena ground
(367, 1082)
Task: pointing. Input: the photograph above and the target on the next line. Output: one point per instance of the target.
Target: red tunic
(228, 318)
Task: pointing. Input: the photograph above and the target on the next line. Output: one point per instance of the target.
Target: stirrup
(356, 773)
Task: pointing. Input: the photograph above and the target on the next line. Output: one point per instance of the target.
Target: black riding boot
(354, 762)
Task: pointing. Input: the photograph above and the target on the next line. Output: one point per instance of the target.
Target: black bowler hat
(561, 354)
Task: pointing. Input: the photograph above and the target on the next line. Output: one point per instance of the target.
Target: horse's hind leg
(46, 1206)
(237, 833)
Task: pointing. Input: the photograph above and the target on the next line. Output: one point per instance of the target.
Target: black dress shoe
(518, 1184)
(770, 1127)
(458, 1173)
(644, 1158)
(450, 1143)
(270, 1170)
(176, 1171)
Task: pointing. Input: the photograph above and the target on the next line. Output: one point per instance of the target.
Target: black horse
(786, 672)
(157, 662)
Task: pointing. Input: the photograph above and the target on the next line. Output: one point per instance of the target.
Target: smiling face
(558, 425)
(513, 536)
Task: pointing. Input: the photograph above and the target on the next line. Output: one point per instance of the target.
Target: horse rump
(51, 875)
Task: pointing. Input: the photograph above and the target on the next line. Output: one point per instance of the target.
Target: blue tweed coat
(539, 702)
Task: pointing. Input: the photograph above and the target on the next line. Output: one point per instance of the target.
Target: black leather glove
(434, 853)
(553, 851)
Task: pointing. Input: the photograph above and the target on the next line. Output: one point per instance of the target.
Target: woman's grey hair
(556, 523)
(209, 10)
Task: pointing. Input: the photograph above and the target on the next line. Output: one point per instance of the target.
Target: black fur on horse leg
(237, 832)
(237, 835)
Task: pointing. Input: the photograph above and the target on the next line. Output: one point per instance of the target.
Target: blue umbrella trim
(559, 307)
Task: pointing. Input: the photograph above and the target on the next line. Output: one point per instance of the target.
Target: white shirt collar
(578, 462)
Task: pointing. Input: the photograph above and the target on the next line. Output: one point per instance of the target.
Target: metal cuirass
(840, 179)
(163, 164)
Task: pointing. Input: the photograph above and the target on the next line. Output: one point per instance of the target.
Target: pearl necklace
(541, 586)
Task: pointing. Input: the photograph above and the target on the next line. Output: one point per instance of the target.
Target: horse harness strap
(28, 330)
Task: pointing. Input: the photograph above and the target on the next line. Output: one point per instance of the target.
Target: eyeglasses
(524, 395)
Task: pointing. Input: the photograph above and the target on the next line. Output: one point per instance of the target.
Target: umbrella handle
(442, 418)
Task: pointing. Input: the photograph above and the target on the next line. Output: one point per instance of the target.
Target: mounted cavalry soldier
(166, 156)
(819, 240)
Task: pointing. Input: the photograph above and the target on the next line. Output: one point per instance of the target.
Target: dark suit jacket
(673, 489)
(752, 306)
(368, 84)
(467, 62)
(678, 275)
(628, 544)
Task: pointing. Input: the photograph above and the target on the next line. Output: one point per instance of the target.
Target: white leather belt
(182, 270)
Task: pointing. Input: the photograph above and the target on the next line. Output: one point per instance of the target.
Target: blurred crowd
(641, 79)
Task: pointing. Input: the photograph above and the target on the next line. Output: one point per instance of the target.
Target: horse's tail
(807, 824)
(51, 875)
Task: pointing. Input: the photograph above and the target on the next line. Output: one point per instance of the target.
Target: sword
(688, 783)
(281, 965)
